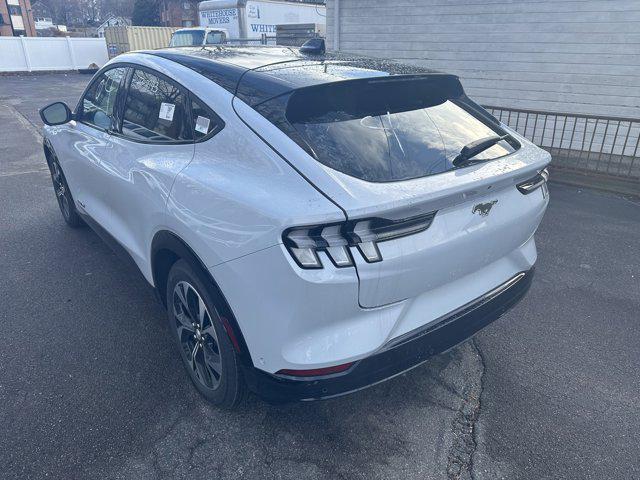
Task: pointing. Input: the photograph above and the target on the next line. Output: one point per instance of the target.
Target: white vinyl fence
(32, 54)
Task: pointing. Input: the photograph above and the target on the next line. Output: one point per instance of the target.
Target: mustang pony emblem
(484, 208)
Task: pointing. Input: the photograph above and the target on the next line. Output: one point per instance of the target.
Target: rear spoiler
(371, 96)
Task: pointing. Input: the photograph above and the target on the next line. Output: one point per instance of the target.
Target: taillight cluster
(335, 239)
(538, 180)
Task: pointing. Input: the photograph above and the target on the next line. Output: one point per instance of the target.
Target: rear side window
(387, 130)
(99, 101)
(155, 110)
(205, 122)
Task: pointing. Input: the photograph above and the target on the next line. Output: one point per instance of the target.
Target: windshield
(389, 131)
(189, 38)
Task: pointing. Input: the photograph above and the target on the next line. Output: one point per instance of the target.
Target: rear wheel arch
(166, 249)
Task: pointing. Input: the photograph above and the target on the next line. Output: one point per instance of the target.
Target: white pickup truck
(198, 36)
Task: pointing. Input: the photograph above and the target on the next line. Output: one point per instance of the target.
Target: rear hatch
(384, 151)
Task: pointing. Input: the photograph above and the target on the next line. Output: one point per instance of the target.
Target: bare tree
(83, 13)
(120, 8)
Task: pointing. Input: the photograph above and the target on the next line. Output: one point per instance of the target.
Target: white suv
(314, 225)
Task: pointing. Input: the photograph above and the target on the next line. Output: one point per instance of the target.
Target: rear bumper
(402, 354)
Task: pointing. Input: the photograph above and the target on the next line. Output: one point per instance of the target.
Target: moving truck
(252, 19)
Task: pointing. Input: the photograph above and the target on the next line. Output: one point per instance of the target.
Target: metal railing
(264, 39)
(604, 145)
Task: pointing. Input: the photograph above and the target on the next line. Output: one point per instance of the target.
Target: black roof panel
(256, 74)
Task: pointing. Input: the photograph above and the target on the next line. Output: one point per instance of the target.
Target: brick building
(16, 18)
(178, 13)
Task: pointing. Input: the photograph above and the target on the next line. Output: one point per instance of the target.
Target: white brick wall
(574, 56)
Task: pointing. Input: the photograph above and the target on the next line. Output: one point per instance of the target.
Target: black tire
(63, 194)
(216, 371)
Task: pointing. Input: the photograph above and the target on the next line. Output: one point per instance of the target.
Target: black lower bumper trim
(401, 354)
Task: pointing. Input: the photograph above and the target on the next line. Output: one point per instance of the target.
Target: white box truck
(252, 19)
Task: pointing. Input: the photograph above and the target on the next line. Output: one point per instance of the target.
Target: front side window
(99, 101)
(155, 110)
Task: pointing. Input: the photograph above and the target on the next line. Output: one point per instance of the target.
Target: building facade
(179, 13)
(551, 55)
(16, 18)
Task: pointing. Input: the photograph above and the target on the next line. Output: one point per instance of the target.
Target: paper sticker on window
(166, 111)
(202, 124)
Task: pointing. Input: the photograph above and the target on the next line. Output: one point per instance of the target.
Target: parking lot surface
(92, 387)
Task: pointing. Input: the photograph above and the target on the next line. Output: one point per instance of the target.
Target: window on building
(15, 10)
(155, 110)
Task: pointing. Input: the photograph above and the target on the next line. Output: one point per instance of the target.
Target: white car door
(85, 143)
(152, 145)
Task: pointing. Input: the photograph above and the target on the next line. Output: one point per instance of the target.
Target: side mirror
(313, 46)
(56, 114)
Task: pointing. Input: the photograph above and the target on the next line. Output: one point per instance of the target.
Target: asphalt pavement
(91, 385)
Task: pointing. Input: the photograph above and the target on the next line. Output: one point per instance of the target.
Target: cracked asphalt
(91, 386)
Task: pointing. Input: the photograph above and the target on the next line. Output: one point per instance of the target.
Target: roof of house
(121, 20)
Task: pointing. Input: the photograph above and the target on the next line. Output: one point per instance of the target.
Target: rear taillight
(535, 182)
(335, 239)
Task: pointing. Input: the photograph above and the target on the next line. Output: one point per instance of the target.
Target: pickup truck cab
(198, 36)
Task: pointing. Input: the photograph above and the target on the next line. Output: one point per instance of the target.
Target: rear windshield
(215, 38)
(388, 130)
(191, 38)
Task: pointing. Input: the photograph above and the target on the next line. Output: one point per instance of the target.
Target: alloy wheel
(61, 190)
(197, 335)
